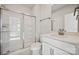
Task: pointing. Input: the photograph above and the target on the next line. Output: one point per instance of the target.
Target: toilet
(36, 48)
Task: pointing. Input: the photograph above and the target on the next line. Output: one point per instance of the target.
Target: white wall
(58, 16)
(0, 5)
(41, 12)
(36, 12)
(45, 10)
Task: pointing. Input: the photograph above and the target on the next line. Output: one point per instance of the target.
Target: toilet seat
(36, 46)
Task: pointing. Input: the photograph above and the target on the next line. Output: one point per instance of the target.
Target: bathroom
(39, 29)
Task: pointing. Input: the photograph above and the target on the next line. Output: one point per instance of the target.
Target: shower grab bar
(50, 20)
(45, 18)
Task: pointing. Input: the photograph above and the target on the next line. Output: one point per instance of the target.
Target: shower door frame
(0, 31)
(21, 25)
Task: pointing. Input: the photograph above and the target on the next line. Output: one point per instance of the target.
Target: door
(71, 24)
(47, 49)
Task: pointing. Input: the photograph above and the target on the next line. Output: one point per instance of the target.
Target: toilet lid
(36, 46)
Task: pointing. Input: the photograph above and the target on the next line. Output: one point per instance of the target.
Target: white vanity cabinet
(58, 46)
(48, 49)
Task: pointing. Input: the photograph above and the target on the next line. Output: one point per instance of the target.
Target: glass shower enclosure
(17, 31)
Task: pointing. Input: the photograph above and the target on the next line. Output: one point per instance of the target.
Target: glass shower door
(18, 31)
(10, 31)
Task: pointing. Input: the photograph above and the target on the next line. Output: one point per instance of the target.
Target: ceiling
(54, 6)
(58, 6)
(29, 5)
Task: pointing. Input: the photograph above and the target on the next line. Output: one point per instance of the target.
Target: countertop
(70, 37)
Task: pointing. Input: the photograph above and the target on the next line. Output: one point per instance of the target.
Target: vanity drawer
(67, 47)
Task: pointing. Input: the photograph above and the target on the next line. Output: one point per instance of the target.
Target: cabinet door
(47, 50)
(59, 52)
(50, 50)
